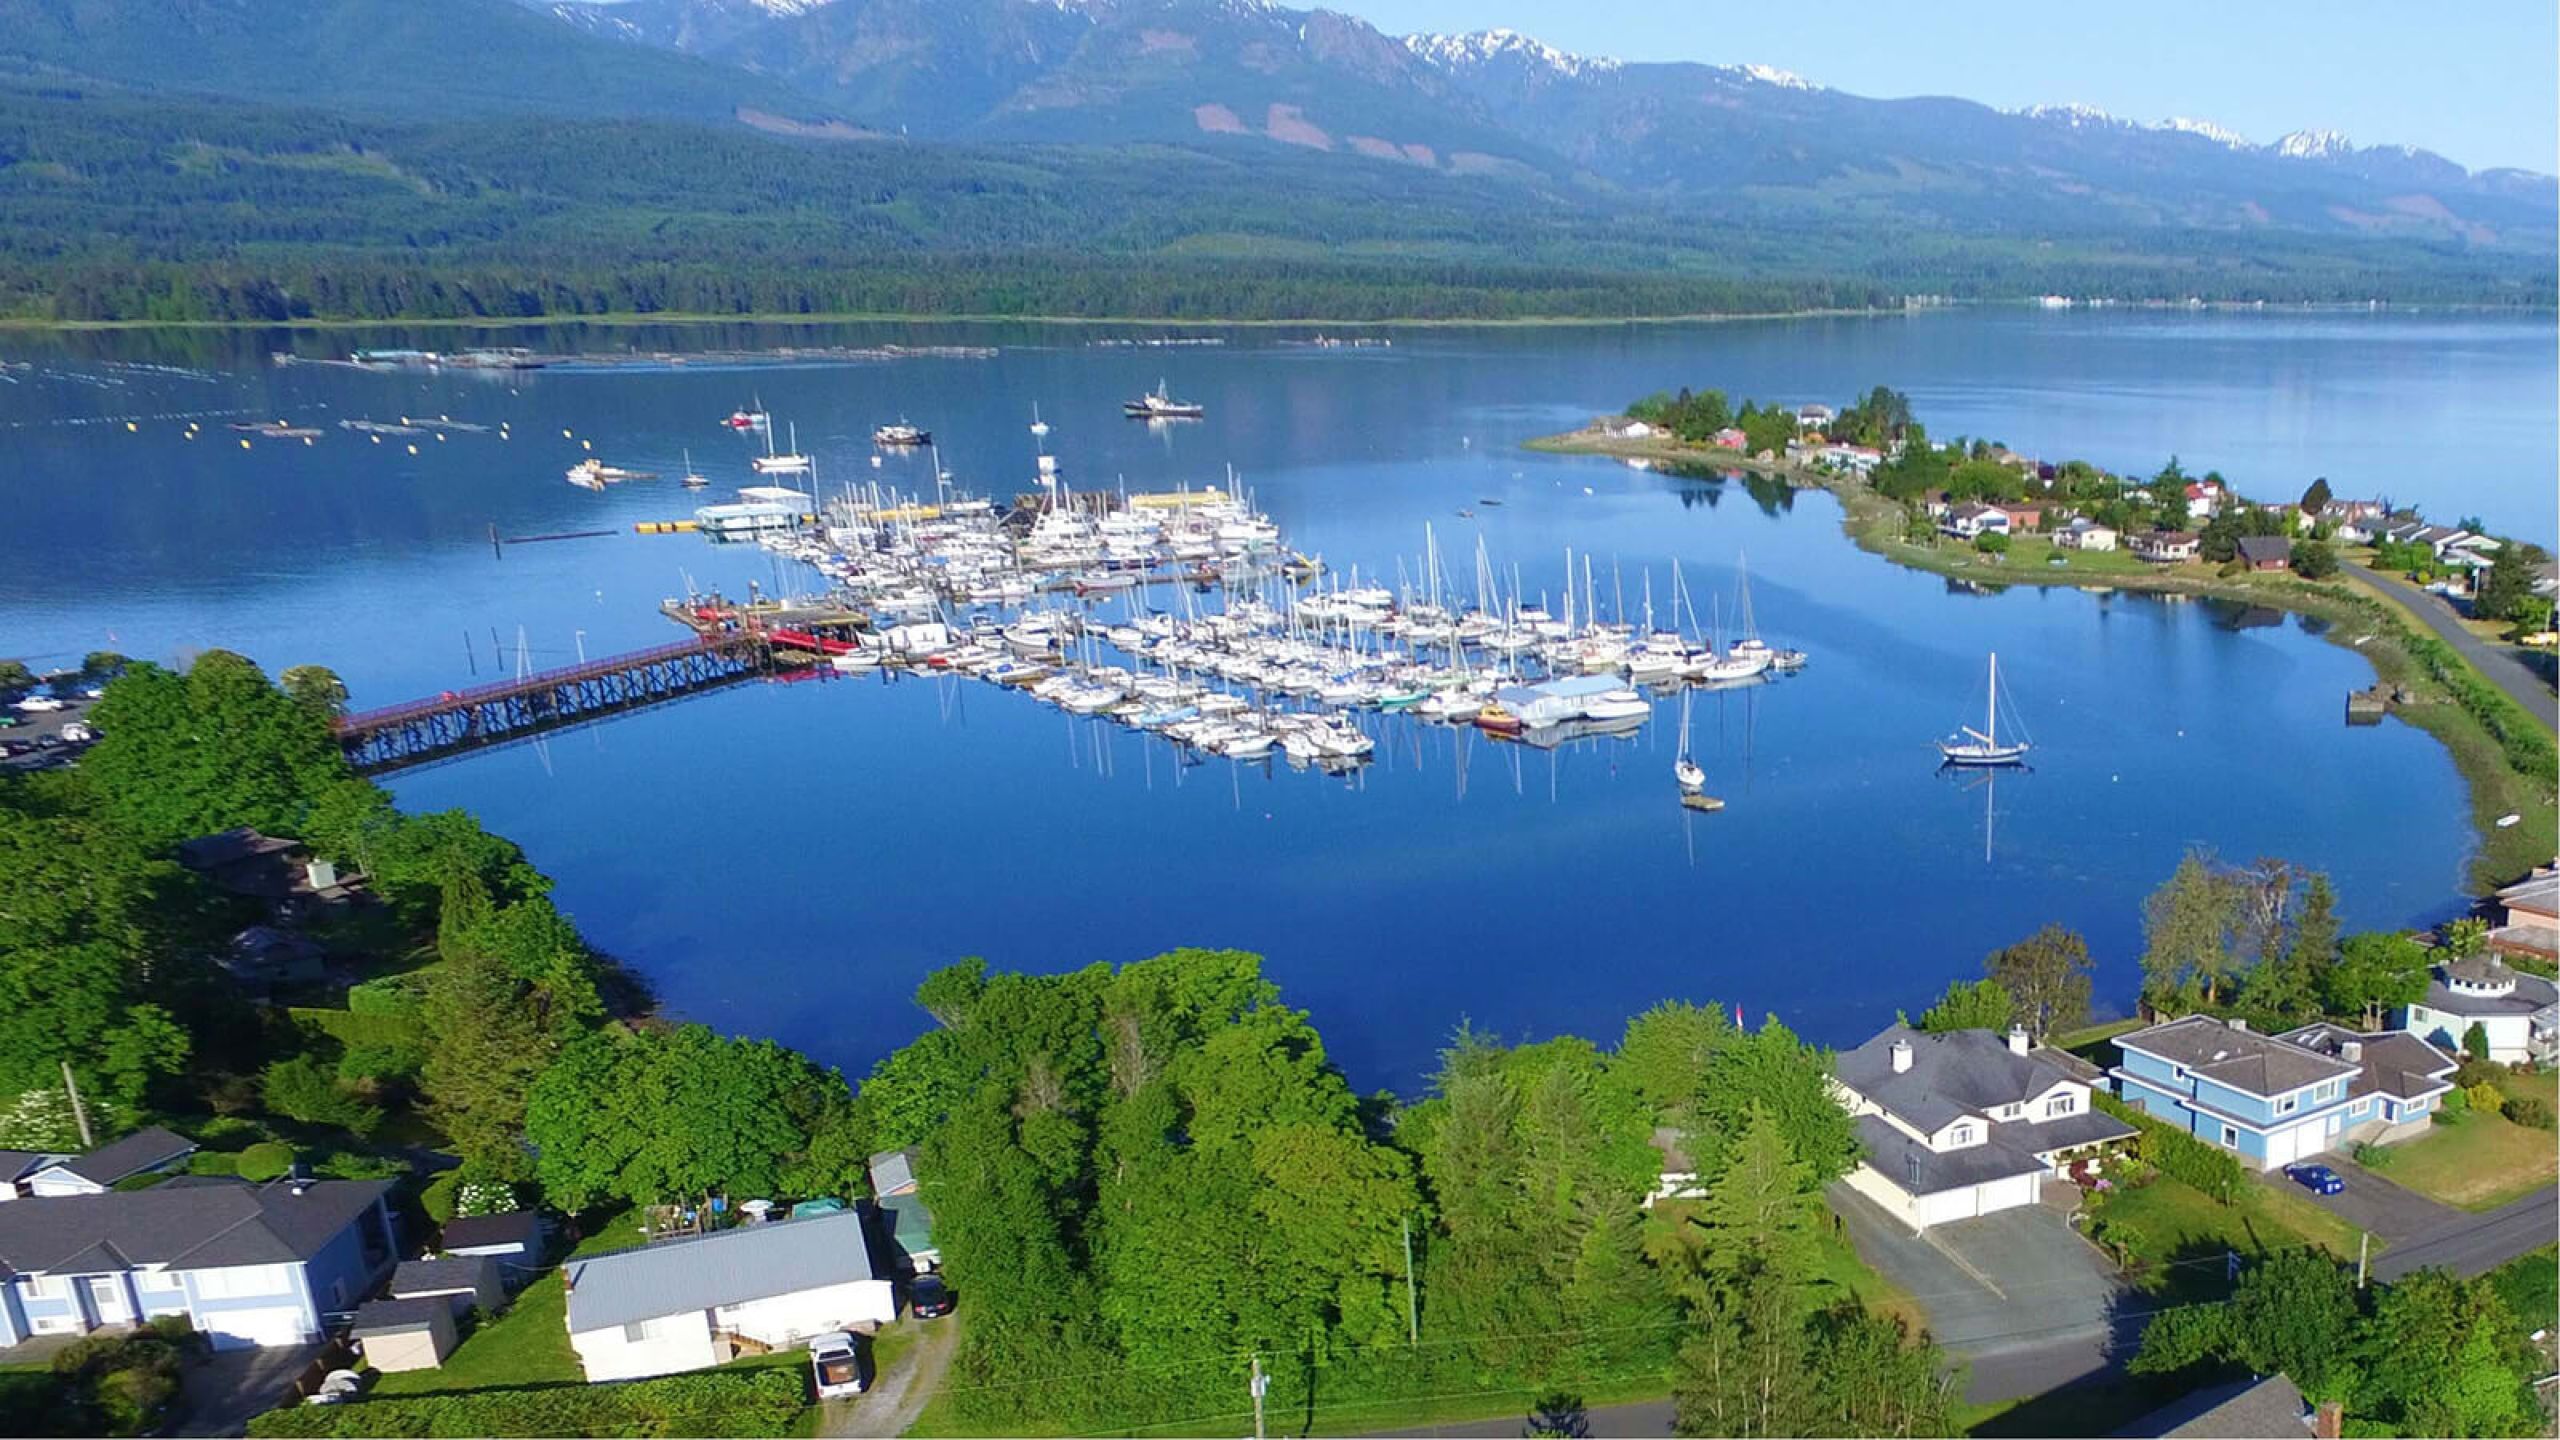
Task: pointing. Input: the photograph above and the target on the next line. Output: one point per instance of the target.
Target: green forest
(115, 207)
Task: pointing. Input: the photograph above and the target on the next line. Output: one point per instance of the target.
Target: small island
(1985, 515)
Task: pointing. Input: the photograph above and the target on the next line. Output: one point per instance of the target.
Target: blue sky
(2474, 80)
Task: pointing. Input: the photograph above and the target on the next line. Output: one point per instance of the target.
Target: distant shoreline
(2371, 626)
(37, 325)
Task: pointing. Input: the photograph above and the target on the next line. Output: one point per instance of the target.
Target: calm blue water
(788, 860)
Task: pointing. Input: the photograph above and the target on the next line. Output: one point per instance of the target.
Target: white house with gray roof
(2518, 1013)
(677, 1305)
(1962, 1123)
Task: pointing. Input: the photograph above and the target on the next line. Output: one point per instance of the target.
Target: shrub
(2372, 1156)
(2180, 1156)
(265, 1160)
(485, 1197)
(2488, 1099)
(356, 1165)
(229, 1132)
(706, 1403)
(437, 1197)
(392, 995)
(2529, 1112)
(2455, 1102)
(372, 1063)
(2475, 1041)
(213, 1162)
(119, 1384)
(1991, 542)
(301, 1088)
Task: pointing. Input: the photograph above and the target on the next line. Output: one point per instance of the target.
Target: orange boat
(1494, 719)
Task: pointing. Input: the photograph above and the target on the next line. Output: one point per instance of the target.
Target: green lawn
(2176, 1235)
(2481, 1162)
(2093, 1043)
(528, 1345)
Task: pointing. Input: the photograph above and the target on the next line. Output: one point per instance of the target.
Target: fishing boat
(1983, 747)
(1156, 404)
(900, 435)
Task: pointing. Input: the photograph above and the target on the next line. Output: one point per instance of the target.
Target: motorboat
(1156, 404)
(901, 435)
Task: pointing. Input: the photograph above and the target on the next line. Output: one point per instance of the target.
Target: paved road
(2501, 664)
(2394, 1213)
(2477, 1243)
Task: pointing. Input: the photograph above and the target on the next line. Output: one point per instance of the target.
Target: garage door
(2284, 1146)
(241, 1329)
(2008, 1194)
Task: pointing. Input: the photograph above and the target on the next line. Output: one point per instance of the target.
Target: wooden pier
(398, 736)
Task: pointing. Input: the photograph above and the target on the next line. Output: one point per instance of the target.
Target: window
(242, 1280)
(2288, 1104)
(2012, 1110)
(2178, 1073)
(2231, 1137)
(2062, 1104)
(156, 1279)
(44, 1287)
(1960, 1135)
(638, 1331)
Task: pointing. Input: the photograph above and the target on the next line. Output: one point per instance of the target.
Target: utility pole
(1412, 1317)
(1261, 1382)
(2364, 1243)
(79, 1112)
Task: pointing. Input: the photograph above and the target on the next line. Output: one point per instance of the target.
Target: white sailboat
(693, 479)
(1692, 778)
(790, 462)
(1984, 747)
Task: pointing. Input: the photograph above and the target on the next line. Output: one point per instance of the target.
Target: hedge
(765, 1401)
(2180, 1156)
(401, 995)
(356, 1028)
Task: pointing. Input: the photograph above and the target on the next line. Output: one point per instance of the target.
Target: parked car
(2318, 1179)
(35, 704)
(835, 1365)
(928, 1298)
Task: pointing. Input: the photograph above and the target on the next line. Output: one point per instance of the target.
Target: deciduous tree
(2047, 976)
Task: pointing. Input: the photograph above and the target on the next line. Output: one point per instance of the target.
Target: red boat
(747, 420)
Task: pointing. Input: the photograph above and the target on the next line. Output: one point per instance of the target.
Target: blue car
(2318, 1179)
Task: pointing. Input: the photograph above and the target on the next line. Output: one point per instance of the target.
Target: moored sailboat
(1984, 747)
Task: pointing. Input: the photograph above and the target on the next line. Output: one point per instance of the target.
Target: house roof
(2242, 1059)
(726, 1267)
(2530, 993)
(443, 1277)
(1974, 509)
(893, 1172)
(213, 852)
(144, 1149)
(388, 1317)
(186, 1227)
(2044, 1137)
(2166, 537)
(2268, 1409)
(1923, 1171)
(2257, 549)
(2395, 1063)
(514, 1227)
(1957, 1072)
(908, 1227)
(16, 1165)
(2536, 892)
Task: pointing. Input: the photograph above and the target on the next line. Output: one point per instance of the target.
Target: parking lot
(34, 739)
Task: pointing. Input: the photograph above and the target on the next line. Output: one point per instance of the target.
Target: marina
(916, 815)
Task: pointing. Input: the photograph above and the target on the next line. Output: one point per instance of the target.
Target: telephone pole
(79, 1112)
(1412, 1317)
(2364, 1244)
(1261, 1382)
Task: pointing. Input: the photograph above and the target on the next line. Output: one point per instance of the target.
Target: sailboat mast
(1991, 702)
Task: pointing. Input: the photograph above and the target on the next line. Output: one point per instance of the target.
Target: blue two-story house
(249, 1265)
(2276, 1099)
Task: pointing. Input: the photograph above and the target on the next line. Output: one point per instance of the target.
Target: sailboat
(788, 462)
(693, 479)
(1692, 778)
(1984, 747)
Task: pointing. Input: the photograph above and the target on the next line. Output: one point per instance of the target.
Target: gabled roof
(145, 1149)
(514, 1227)
(392, 1317)
(2257, 548)
(1958, 1072)
(2268, 1409)
(726, 1267)
(2535, 892)
(442, 1277)
(2395, 1063)
(2244, 1060)
(16, 1165)
(183, 1227)
(1920, 1170)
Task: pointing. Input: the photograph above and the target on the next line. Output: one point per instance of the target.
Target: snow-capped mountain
(1485, 47)
(2227, 138)
(2315, 145)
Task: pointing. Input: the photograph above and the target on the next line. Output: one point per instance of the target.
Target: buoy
(439, 437)
(587, 444)
(565, 435)
(413, 449)
(306, 442)
(129, 425)
(377, 439)
(244, 444)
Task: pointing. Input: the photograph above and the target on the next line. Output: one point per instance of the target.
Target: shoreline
(2374, 627)
(624, 320)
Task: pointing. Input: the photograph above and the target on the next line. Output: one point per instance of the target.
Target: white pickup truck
(835, 1364)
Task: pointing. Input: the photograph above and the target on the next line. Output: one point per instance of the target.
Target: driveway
(2394, 1213)
(897, 1395)
(225, 1390)
(2475, 1244)
(2018, 1293)
(2506, 667)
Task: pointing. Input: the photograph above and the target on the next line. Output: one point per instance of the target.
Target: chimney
(1901, 1056)
(2351, 1051)
(2017, 1039)
(2236, 1023)
(2327, 1419)
(297, 1180)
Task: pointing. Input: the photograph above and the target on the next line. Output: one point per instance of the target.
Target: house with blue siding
(2276, 1099)
(248, 1265)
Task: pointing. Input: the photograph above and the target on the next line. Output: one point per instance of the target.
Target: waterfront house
(1626, 429)
(2519, 1013)
(2356, 522)
(1816, 418)
(2205, 499)
(2085, 534)
(2266, 552)
(905, 1225)
(2530, 917)
(1679, 1177)
(268, 868)
(148, 1151)
(1730, 438)
(691, 1303)
(1849, 459)
(248, 1265)
(1962, 1123)
(1973, 518)
(2023, 517)
(2272, 1100)
(2165, 547)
